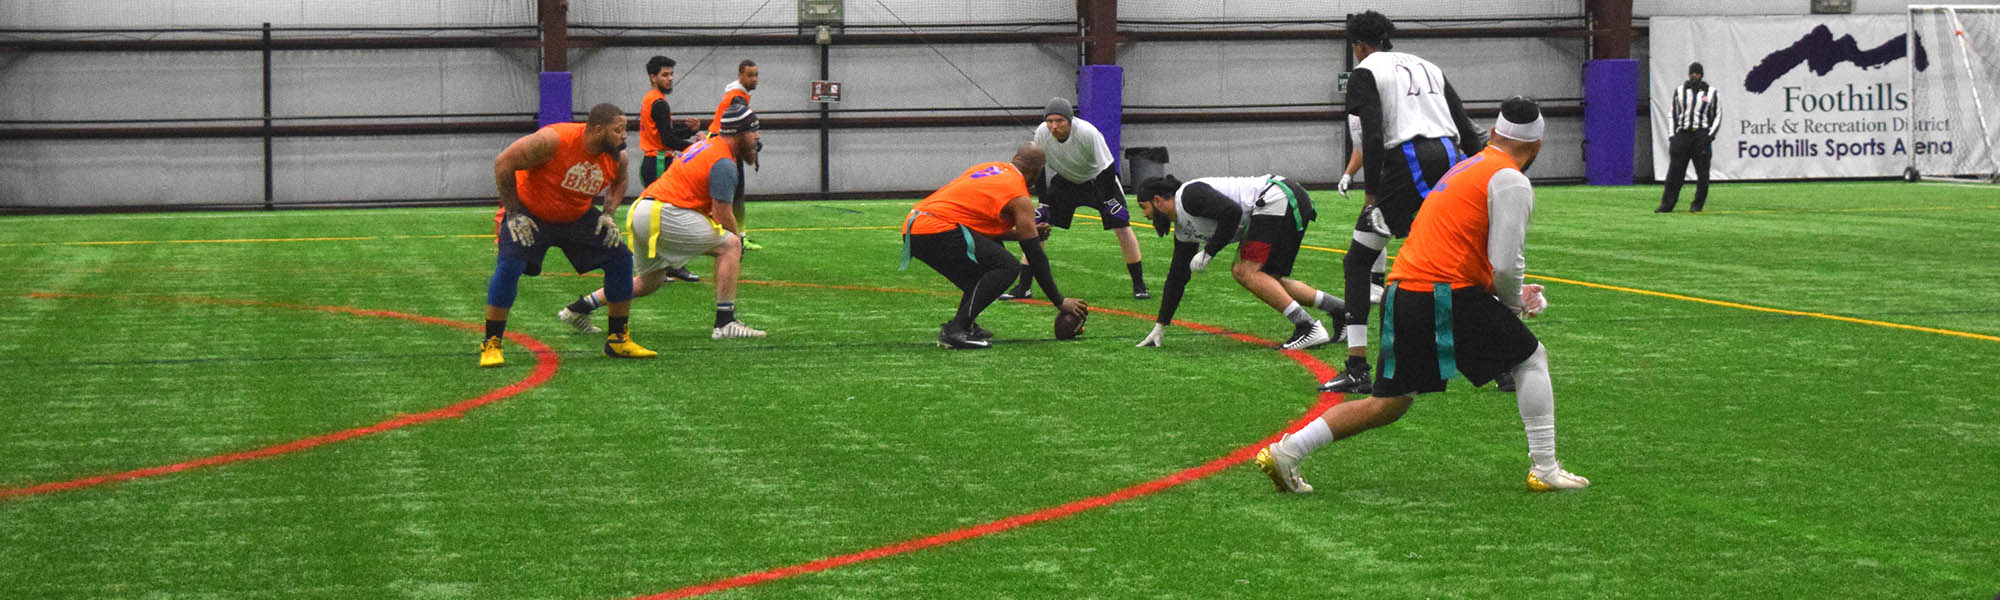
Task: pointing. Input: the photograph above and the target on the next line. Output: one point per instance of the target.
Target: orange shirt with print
(686, 185)
(560, 190)
(1448, 239)
(974, 200)
(729, 95)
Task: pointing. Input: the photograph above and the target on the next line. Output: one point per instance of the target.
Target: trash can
(1144, 163)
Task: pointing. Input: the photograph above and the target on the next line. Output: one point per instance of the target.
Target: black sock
(618, 325)
(1357, 363)
(583, 305)
(1137, 269)
(496, 328)
(724, 313)
(1378, 279)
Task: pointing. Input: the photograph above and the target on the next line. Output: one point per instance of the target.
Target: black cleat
(1017, 294)
(683, 274)
(979, 333)
(957, 339)
(1505, 381)
(1350, 381)
(1141, 295)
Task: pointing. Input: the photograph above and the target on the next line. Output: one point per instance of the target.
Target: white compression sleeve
(1536, 398)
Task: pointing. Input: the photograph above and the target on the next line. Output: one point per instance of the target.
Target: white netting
(1955, 91)
(765, 14)
(1335, 11)
(41, 14)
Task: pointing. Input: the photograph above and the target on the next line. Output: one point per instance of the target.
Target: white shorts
(665, 236)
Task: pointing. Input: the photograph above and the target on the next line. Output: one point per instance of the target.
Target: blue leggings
(500, 290)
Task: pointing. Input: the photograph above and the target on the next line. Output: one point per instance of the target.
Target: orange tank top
(560, 190)
(686, 185)
(974, 200)
(649, 132)
(1447, 241)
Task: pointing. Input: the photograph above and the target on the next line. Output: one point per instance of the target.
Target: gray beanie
(1059, 106)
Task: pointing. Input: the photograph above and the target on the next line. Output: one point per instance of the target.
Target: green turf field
(1790, 396)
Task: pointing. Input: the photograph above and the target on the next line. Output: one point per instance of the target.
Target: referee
(1696, 118)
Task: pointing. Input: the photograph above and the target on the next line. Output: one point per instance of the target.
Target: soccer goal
(1954, 93)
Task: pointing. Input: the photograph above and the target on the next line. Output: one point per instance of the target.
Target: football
(1068, 325)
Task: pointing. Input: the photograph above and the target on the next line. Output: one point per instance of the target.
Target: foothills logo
(1821, 52)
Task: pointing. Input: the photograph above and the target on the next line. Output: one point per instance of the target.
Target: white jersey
(1254, 195)
(1081, 157)
(1411, 91)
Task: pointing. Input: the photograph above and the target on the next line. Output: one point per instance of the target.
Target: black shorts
(578, 240)
(652, 167)
(1480, 339)
(962, 255)
(1275, 239)
(1408, 173)
(1103, 194)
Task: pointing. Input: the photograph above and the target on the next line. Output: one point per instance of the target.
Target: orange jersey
(974, 200)
(560, 190)
(1448, 239)
(729, 95)
(649, 132)
(686, 185)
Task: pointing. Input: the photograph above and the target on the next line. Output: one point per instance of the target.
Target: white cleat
(580, 321)
(1555, 479)
(1282, 468)
(735, 329)
(1315, 336)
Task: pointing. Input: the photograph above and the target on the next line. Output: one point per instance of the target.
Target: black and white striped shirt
(1695, 108)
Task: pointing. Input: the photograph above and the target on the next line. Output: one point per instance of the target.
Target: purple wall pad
(1610, 120)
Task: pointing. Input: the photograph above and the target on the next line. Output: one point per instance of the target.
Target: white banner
(1800, 97)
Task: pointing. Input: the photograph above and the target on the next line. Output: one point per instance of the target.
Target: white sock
(1357, 335)
(1329, 303)
(1297, 314)
(1381, 263)
(1536, 399)
(1313, 436)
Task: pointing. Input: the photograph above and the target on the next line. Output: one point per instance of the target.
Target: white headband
(1526, 132)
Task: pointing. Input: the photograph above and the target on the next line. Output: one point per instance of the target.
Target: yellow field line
(1723, 303)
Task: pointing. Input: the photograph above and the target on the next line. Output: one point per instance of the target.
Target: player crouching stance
(1207, 214)
(548, 181)
(957, 231)
(1461, 270)
(685, 213)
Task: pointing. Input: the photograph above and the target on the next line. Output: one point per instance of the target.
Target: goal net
(1954, 109)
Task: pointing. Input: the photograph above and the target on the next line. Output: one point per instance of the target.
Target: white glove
(1200, 261)
(522, 227)
(1344, 180)
(1153, 339)
(1533, 302)
(608, 227)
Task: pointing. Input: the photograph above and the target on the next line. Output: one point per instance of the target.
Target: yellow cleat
(1283, 469)
(1554, 480)
(620, 345)
(489, 353)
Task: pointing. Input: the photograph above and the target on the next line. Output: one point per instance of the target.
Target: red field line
(546, 363)
(1319, 370)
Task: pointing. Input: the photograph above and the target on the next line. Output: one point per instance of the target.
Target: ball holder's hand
(1200, 262)
(1345, 180)
(1533, 301)
(522, 227)
(1153, 339)
(608, 227)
